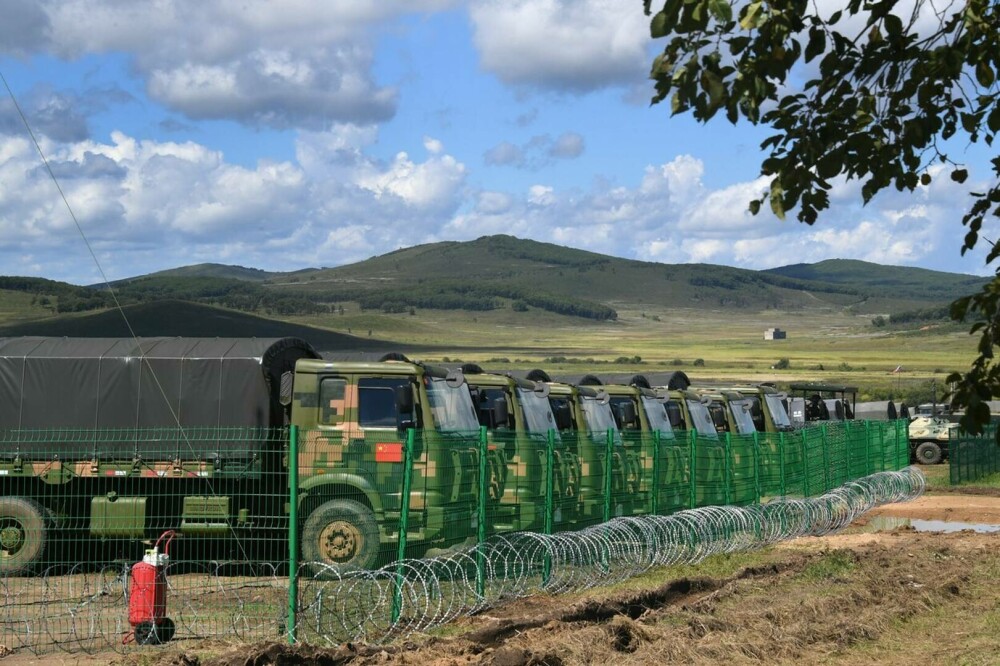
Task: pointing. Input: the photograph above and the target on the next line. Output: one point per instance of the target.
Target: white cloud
(573, 45)
(568, 145)
(537, 152)
(148, 205)
(294, 63)
(504, 154)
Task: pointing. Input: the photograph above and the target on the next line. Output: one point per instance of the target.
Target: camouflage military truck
(639, 413)
(730, 410)
(144, 435)
(584, 417)
(518, 417)
(686, 411)
(767, 406)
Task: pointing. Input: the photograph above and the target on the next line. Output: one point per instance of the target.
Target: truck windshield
(701, 420)
(778, 413)
(451, 407)
(656, 412)
(742, 416)
(537, 413)
(599, 417)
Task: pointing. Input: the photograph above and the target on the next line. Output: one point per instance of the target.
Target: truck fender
(316, 485)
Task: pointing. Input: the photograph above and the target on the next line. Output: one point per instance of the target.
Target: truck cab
(585, 420)
(354, 418)
(519, 421)
(767, 406)
(730, 411)
(647, 433)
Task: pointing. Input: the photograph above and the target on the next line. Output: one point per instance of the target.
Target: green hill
(217, 271)
(901, 281)
(501, 271)
(170, 318)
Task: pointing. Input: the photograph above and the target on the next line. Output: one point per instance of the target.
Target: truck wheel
(928, 453)
(342, 534)
(22, 534)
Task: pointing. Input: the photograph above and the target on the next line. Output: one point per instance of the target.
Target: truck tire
(928, 453)
(340, 535)
(23, 534)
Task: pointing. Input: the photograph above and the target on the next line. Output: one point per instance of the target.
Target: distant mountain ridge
(907, 279)
(503, 272)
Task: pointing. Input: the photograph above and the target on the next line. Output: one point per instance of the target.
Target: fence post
(868, 447)
(484, 450)
(826, 458)
(404, 524)
(727, 467)
(805, 464)
(756, 465)
(293, 531)
(849, 435)
(549, 500)
(693, 466)
(781, 464)
(609, 452)
(654, 500)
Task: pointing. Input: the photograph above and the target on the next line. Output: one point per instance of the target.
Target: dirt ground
(897, 597)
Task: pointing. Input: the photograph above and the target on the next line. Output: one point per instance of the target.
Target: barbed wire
(420, 594)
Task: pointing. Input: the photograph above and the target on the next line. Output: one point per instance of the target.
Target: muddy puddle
(889, 523)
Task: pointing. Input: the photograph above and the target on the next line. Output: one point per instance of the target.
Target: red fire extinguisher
(147, 599)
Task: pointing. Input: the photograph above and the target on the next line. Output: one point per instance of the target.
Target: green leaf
(817, 43)
(925, 179)
(959, 175)
(658, 26)
(755, 206)
(712, 84)
(985, 74)
(721, 10)
(993, 122)
(893, 25)
(829, 165)
(751, 16)
(834, 17)
(777, 205)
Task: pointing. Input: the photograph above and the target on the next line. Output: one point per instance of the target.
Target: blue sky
(281, 135)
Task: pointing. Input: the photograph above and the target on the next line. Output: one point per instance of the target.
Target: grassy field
(822, 345)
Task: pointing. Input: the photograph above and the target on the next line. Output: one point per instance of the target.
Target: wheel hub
(340, 541)
(11, 538)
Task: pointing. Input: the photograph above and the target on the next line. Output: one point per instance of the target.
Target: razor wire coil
(338, 605)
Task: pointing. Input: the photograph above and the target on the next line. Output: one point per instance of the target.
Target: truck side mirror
(285, 390)
(500, 418)
(404, 399)
(629, 416)
(564, 420)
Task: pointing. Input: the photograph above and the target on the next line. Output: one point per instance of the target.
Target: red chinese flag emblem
(389, 452)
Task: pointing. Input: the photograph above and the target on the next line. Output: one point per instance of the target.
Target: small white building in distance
(774, 334)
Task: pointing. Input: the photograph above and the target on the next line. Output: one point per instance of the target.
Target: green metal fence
(973, 457)
(255, 509)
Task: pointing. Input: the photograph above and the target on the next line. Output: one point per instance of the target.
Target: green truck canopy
(123, 383)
